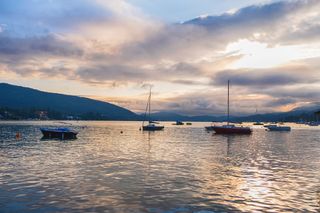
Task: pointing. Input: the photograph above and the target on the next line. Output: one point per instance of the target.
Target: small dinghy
(61, 133)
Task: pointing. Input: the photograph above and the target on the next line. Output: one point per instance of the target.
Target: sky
(187, 50)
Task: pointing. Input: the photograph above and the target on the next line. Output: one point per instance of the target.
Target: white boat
(278, 128)
(152, 125)
(313, 123)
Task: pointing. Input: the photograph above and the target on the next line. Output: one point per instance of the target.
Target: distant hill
(17, 99)
(18, 102)
(171, 116)
(305, 113)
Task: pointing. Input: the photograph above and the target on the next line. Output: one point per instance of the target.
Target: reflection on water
(180, 169)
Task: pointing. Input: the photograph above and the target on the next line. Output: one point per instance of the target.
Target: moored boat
(152, 125)
(278, 128)
(229, 128)
(62, 133)
(178, 123)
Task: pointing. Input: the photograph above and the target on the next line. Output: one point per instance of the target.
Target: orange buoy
(18, 135)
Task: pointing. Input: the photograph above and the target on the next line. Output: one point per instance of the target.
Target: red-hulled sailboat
(229, 128)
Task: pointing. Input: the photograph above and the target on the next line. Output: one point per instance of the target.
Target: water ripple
(181, 169)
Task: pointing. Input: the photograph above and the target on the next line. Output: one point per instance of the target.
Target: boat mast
(147, 111)
(150, 105)
(228, 121)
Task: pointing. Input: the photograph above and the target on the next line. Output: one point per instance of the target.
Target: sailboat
(229, 128)
(152, 125)
(257, 123)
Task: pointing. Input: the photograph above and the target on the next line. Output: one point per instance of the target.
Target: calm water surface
(181, 169)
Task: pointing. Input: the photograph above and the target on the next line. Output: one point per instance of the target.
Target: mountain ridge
(19, 102)
(17, 97)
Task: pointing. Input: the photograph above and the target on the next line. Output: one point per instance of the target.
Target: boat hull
(51, 134)
(228, 130)
(279, 129)
(152, 128)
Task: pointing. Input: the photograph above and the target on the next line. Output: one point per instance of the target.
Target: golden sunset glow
(111, 49)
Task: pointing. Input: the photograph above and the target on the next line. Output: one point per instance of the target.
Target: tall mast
(150, 105)
(228, 101)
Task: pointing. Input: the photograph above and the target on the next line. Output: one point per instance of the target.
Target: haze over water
(180, 169)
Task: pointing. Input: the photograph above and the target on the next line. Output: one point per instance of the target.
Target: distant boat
(313, 123)
(278, 128)
(258, 123)
(179, 123)
(59, 133)
(152, 125)
(229, 128)
(188, 124)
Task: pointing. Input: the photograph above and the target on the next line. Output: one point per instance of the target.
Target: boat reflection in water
(61, 133)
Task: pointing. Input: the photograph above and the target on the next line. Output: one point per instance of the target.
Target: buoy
(18, 135)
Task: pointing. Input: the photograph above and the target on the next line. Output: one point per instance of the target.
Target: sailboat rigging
(229, 128)
(151, 126)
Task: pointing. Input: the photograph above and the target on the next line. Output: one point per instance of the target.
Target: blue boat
(62, 133)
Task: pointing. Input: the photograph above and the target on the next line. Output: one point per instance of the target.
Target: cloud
(272, 22)
(114, 43)
(280, 102)
(37, 46)
(278, 76)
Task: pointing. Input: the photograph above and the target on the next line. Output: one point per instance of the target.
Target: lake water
(180, 169)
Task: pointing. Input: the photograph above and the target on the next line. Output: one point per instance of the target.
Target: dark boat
(59, 133)
(229, 128)
(179, 123)
(152, 125)
(258, 124)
